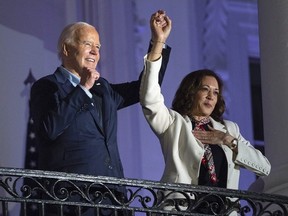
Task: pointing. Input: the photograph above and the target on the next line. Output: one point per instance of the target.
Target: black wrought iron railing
(55, 193)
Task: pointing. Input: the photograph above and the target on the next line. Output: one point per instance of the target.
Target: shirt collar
(70, 76)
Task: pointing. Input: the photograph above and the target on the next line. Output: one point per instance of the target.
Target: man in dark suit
(75, 110)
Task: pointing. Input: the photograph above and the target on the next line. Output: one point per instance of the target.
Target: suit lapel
(67, 87)
(100, 90)
(97, 120)
(218, 125)
(221, 127)
(97, 111)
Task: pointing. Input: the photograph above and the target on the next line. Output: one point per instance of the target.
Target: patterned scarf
(207, 159)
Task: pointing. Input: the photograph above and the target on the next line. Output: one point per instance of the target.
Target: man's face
(84, 52)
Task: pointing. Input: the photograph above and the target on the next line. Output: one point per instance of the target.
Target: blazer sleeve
(129, 91)
(248, 157)
(156, 113)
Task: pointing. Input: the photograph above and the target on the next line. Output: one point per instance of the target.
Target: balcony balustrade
(72, 194)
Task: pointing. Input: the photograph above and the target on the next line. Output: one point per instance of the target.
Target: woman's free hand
(213, 136)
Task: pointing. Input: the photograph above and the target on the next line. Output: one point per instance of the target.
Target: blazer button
(110, 167)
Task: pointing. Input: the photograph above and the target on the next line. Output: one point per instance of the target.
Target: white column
(273, 33)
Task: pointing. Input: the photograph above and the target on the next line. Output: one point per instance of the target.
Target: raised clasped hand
(160, 25)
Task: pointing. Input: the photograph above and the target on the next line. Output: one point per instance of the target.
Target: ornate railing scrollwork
(77, 193)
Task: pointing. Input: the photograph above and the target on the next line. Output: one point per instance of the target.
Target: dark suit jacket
(69, 136)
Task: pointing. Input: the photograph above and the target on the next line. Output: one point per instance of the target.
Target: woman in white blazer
(183, 141)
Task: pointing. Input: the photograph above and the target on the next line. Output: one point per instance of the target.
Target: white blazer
(181, 150)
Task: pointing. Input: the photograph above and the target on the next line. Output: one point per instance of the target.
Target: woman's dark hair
(185, 95)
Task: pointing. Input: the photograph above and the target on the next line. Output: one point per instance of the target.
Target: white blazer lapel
(218, 125)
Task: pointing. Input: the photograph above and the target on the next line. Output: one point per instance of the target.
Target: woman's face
(206, 98)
